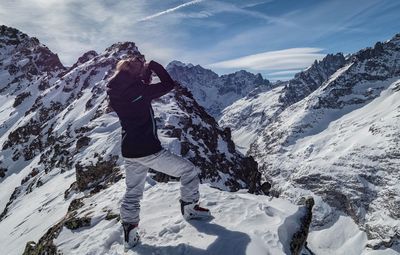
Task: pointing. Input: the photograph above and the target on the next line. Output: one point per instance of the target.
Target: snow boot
(194, 211)
(131, 235)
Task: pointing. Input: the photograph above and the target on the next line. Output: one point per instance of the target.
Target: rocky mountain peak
(12, 36)
(23, 54)
(326, 66)
(186, 73)
(305, 82)
(85, 57)
(177, 63)
(212, 91)
(243, 75)
(379, 49)
(121, 48)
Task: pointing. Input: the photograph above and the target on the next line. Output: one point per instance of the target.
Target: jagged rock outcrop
(217, 144)
(306, 82)
(299, 238)
(24, 58)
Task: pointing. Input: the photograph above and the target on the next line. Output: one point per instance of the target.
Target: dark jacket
(131, 100)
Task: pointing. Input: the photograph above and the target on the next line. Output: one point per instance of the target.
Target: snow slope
(340, 144)
(243, 224)
(248, 116)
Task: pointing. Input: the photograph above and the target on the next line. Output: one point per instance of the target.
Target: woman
(130, 94)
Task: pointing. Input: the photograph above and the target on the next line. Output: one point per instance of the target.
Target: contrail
(171, 10)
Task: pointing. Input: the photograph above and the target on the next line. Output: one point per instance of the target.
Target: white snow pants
(164, 162)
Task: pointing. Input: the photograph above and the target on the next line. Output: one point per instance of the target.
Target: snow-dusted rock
(215, 92)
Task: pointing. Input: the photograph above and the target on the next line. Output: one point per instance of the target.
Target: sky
(276, 38)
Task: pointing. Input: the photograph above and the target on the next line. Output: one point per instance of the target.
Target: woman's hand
(147, 73)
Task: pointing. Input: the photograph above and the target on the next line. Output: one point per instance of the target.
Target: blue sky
(276, 38)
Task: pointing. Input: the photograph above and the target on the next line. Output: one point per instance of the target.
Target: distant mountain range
(215, 92)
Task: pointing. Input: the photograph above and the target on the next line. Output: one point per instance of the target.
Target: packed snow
(243, 224)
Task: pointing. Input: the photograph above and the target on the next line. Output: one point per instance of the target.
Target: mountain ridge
(215, 92)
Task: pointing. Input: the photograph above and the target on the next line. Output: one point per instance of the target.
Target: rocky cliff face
(55, 123)
(248, 116)
(340, 143)
(215, 92)
(306, 82)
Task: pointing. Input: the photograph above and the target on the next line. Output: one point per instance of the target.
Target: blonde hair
(130, 65)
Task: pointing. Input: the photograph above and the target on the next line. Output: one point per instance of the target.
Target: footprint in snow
(171, 230)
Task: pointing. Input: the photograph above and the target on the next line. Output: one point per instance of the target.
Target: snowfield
(243, 224)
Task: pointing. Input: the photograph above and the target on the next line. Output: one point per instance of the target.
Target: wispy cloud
(294, 58)
(208, 31)
(171, 10)
(250, 5)
(70, 28)
(217, 7)
(283, 73)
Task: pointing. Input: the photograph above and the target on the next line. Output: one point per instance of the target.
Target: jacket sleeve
(161, 88)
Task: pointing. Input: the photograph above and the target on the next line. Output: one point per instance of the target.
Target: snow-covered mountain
(60, 141)
(341, 144)
(331, 133)
(248, 116)
(216, 92)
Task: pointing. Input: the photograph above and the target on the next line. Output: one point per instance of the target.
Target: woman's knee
(189, 174)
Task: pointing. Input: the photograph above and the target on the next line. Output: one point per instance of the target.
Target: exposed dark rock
(45, 245)
(84, 58)
(73, 188)
(82, 142)
(300, 236)
(22, 134)
(392, 242)
(161, 177)
(75, 223)
(33, 173)
(42, 59)
(75, 204)
(20, 98)
(110, 216)
(30, 248)
(3, 172)
(242, 168)
(304, 83)
(89, 176)
(266, 187)
(14, 195)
